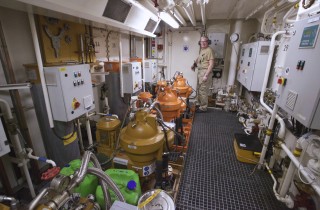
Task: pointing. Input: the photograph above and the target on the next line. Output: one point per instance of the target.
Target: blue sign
(309, 37)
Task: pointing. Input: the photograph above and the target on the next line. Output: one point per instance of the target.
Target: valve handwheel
(50, 173)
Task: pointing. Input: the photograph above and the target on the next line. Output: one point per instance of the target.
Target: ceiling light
(166, 17)
(140, 6)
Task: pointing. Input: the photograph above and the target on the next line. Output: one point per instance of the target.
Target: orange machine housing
(170, 104)
(145, 96)
(183, 89)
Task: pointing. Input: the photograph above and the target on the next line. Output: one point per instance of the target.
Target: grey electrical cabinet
(70, 91)
(252, 64)
(218, 43)
(299, 89)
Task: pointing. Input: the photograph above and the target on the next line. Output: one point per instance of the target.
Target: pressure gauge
(234, 37)
(60, 183)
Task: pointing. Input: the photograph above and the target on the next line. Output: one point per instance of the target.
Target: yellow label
(69, 140)
(62, 69)
(148, 200)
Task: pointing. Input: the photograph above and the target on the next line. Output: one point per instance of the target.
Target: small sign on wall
(185, 48)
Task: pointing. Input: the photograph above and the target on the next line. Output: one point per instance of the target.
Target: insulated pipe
(88, 129)
(287, 200)
(120, 66)
(259, 8)
(287, 180)
(18, 149)
(80, 135)
(234, 55)
(203, 12)
(179, 17)
(275, 109)
(190, 13)
(142, 66)
(40, 65)
(309, 177)
(43, 159)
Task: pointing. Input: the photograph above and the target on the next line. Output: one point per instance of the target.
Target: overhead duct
(121, 14)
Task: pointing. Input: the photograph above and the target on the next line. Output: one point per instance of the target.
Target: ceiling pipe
(203, 12)
(190, 13)
(265, 3)
(178, 16)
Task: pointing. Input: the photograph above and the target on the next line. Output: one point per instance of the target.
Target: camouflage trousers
(203, 89)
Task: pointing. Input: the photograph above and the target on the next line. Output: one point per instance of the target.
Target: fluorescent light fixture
(178, 16)
(166, 17)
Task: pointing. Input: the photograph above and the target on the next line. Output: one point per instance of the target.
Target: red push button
(282, 81)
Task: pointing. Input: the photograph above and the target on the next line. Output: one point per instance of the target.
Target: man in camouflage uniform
(204, 62)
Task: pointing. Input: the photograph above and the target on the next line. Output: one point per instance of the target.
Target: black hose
(165, 136)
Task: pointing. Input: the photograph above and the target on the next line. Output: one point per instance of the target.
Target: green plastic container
(128, 183)
(88, 185)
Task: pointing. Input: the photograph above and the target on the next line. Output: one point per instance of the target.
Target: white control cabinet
(151, 70)
(4, 144)
(70, 91)
(218, 44)
(299, 93)
(252, 64)
(132, 77)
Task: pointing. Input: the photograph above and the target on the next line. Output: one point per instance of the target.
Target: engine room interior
(159, 104)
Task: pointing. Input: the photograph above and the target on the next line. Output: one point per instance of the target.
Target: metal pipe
(120, 66)
(287, 200)
(258, 8)
(43, 159)
(309, 177)
(80, 134)
(15, 86)
(108, 180)
(234, 54)
(143, 67)
(105, 191)
(88, 128)
(275, 109)
(13, 202)
(35, 201)
(203, 12)
(40, 65)
(18, 148)
(190, 13)
(179, 17)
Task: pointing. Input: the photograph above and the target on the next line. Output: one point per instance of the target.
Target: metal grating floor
(213, 178)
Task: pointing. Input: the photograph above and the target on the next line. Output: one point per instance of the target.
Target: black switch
(302, 65)
(298, 65)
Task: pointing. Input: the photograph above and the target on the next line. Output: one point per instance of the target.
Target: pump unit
(150, 68)
(252, 63)
(299, 91)
(4, 144)
(70, 91)
(132, 77)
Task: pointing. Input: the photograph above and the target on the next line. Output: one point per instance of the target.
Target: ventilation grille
(291, 100)
(150, 25)
(117, 10)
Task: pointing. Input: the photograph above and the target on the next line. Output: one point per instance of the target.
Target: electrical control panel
(151, 70)
(4, 144)
(252, 64)
(70, 91)
(218, 44)
(132, 77)
(299, 86)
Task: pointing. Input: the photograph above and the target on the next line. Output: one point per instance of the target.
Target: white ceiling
(226, 9)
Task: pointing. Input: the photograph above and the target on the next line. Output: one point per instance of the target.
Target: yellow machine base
(247, 148)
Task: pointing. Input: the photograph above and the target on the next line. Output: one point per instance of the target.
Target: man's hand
(205, 78)
(194, 65)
